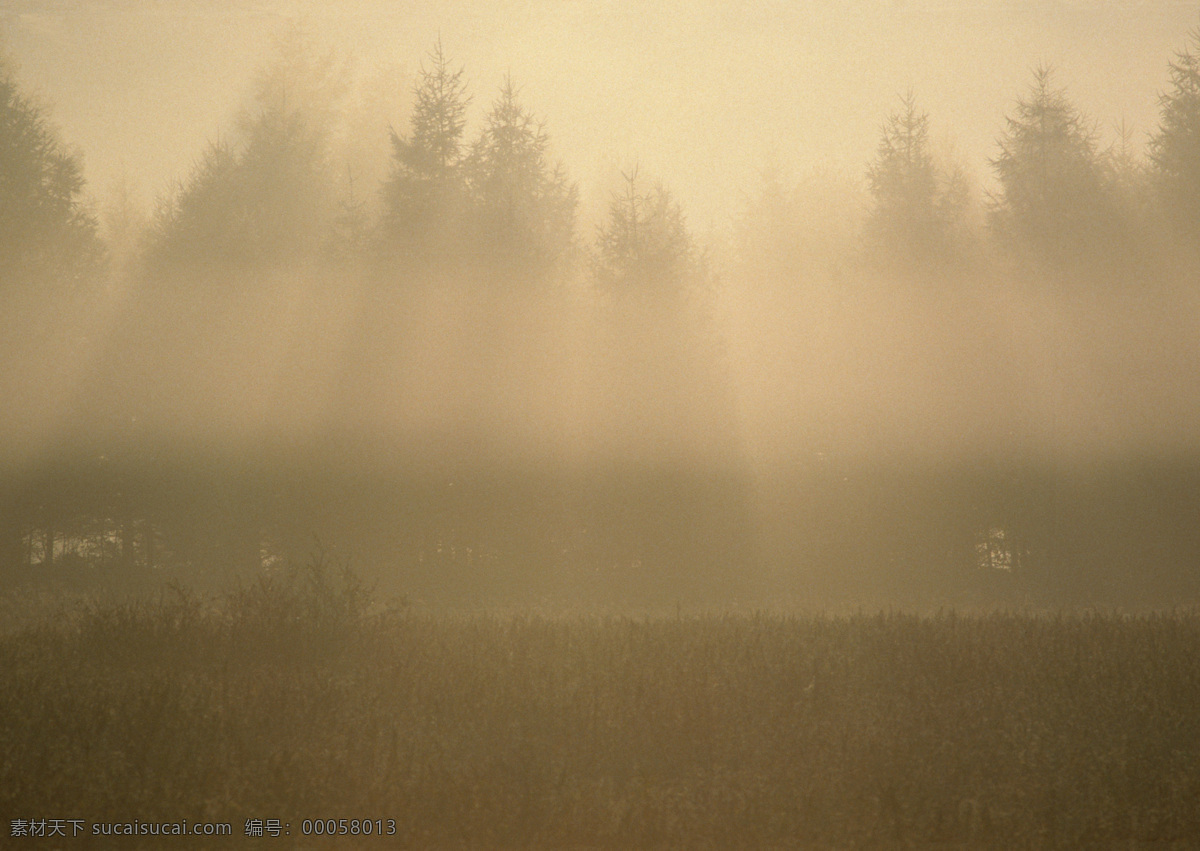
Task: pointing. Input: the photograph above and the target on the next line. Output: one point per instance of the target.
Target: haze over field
(584, 424)
(703, 292)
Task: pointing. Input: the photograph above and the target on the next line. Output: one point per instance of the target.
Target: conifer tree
(47, 233)
(1053, 199)
(645, 242)
(525, 207)
(918, 205)
(268, 195)
(1175, 147)
(425, 197)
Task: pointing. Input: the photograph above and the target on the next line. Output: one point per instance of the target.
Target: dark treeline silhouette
(961, 396)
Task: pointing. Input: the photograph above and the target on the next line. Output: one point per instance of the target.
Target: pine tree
(917, 204)
(526, 209)
(1053, 200)
(1130, 182)
(49, 253)
(645, 243)
(268, 196)
(47, 233)
(1175, 147)
(425, 197)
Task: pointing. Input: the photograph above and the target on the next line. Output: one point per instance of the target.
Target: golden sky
(701, 94)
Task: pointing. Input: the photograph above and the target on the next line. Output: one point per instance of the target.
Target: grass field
(302, 700)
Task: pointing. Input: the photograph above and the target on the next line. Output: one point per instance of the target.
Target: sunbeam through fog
(707, 302)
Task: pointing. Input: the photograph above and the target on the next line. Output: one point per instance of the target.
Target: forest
(391, 479)
(901, 387)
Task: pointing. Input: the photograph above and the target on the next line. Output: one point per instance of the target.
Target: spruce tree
(1175, 147)
(47, 234)
(918, 205)
(645, 242)
(267, 195)
(1053, 200)
(425, 199)
(525, 207)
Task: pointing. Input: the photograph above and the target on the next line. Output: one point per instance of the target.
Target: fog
(683, 339)
(704, 95)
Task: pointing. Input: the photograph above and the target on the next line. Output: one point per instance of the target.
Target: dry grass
(298, 699)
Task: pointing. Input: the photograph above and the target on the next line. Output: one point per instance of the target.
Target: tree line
(496, 201)
(280, 198)
(277, 193)
(1062, 200)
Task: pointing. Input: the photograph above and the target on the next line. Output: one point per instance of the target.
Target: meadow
(302, 698)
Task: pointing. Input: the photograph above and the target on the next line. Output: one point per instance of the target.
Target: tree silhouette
(268, 197)
(1128, 171)
(917, 204)
(46, 232)
(49, 253)
(1053, 199)
(645, 242)
(1134, 232)
(425, 196)
(1175, 147)
(526, 209)
(201, 218)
